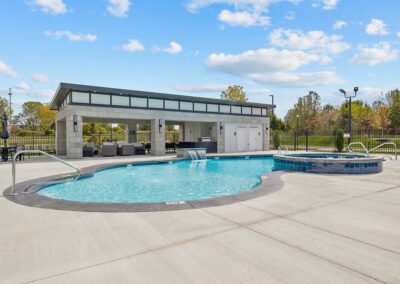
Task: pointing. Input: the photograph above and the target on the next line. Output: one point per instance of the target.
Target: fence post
(307, 140)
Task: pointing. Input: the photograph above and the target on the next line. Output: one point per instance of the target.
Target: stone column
(266, 139)
(61, 141)
(131, 132)
(220, 136)
(157, 137)
(74, 137)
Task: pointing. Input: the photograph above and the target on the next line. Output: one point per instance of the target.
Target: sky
(284, 48)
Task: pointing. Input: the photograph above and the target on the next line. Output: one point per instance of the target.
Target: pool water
(165, 182)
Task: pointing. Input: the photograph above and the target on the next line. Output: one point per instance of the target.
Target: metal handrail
(383, 144)
(357, 143)
(367, 152)
(280, 149)
(78, 170)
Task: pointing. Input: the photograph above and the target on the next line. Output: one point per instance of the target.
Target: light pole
(349, 97)
(9, 103)
(297, 132)
(272, 96)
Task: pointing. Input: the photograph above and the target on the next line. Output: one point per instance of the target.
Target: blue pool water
(177, 181)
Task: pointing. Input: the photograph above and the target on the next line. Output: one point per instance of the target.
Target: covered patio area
(217, 125)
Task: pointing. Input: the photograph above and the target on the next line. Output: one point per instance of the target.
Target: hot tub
(329, 163)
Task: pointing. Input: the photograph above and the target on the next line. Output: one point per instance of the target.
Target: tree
(339, 140)
(46, 118)
(381, 114)
(276, 140)
(3, 106)
(307, 108)
(277, 123)
(29, 118)
(362, 116)
(234, 93)
(393, 99)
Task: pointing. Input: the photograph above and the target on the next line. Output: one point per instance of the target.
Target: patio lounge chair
(126, 149)
(140, 149)
(88, 150)
(109, 149)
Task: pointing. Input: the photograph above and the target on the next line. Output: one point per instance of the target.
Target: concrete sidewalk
(317, 228)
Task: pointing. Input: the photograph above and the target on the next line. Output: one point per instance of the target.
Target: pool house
(218, 125)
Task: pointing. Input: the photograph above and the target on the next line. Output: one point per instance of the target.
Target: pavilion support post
(74, 139)
(220, 128)
(61, 137)
(157, 137)
(131, 132)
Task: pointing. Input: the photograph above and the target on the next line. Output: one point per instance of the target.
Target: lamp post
(272, 96)
(349, 97)
(297, 132)
(9, 103)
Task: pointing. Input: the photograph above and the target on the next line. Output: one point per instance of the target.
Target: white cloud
(173, 48)
(338, 25)
(7, 70)
(243, 18)
(256, 5)
(288, 79)
(54, 7)
(118, 8)
(398, 34)
(272, 66)
(313, 40)
(46, 93)
(329, 4)
(290, 16)
(205, 88)
(376, 27)
(247, 12)
(22, 86)
(372, 91)
(378, 53)
(38, 77)
(71, 36)
(133, 45)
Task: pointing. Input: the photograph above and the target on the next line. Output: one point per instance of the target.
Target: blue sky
(198, 47)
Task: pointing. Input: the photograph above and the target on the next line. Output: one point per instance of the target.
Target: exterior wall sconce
(221, 128)
(160, 125)
(75, 119)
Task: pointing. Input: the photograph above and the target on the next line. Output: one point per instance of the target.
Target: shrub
(339, 140)
(276, 140)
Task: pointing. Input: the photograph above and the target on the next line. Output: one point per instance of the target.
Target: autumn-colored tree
(234, 93)
(307, 109)
(28, 118)
(46, 118)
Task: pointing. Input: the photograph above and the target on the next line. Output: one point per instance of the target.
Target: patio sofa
(109, 149)
(127, 149)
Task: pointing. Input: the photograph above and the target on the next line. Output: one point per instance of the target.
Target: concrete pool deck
(316, 228)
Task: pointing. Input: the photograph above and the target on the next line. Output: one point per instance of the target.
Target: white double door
(244, 138)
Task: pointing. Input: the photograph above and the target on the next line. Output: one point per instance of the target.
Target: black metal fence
(45, 143)
(326, 141)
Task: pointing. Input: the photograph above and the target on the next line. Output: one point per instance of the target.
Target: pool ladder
(13, 191)
(367, 152)
(280, 149)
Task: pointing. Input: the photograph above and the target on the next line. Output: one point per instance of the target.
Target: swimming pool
(183, 180)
